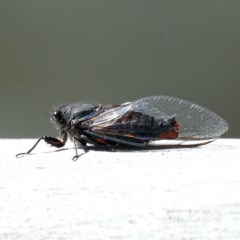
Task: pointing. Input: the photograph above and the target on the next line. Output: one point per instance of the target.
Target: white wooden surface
(163, 194)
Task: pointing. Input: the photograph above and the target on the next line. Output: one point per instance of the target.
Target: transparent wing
(109, 117)
(197, 123)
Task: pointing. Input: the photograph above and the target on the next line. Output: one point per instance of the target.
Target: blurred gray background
(56, 51)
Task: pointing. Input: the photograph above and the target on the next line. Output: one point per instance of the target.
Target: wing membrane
(110, 116)
(196, 122)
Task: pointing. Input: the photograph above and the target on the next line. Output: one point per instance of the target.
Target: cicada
(150, 122)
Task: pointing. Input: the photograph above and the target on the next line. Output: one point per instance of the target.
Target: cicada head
(63, 115)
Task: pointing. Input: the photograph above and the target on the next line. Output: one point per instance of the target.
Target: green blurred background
(114, 51)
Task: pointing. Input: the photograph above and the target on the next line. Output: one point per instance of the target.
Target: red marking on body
(170, 134)
(101, 140)
(176, 126)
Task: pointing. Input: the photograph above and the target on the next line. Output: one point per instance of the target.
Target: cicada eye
(57, 115)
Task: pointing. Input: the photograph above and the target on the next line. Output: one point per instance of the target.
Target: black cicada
(149, 122)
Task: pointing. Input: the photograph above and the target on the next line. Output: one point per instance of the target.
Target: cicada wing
(197, 125)
(196, 122)
(109, 117)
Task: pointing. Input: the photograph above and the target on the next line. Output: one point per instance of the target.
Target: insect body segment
(140, 127)
(138, 124)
